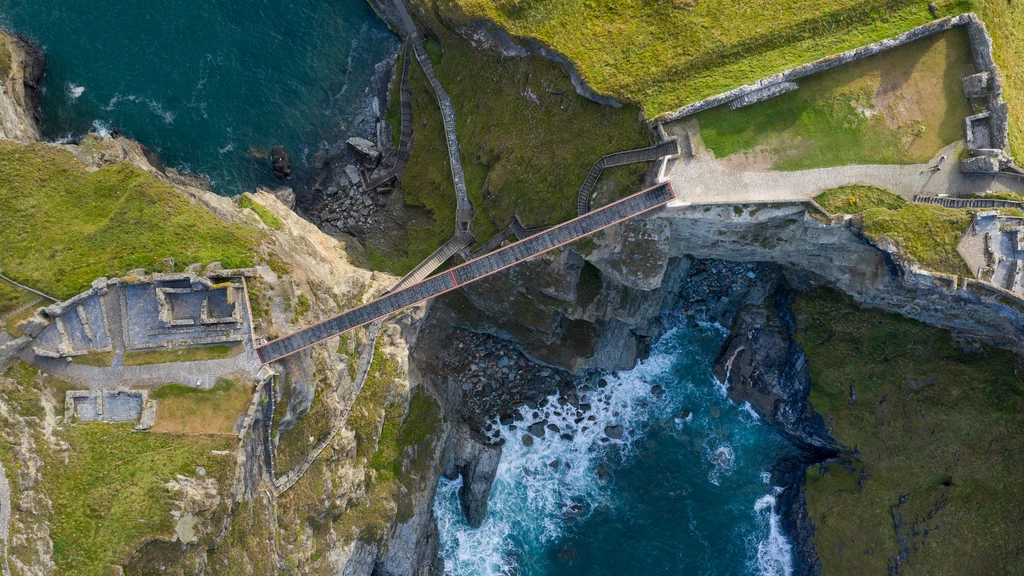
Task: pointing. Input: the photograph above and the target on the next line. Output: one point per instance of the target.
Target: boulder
(366, 150)
(285, 194)
(614, 432)
(353, 174)
(319, 158)
(537, 429)
(281, 162)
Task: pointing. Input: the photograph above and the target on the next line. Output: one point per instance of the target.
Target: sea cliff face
(22, 66)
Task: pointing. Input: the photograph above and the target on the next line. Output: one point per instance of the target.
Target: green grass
(183, 409)
(933, 425)
(94, 359)
(144, 357)
(12, 298)
(367, 414)
(925, 233)
(65, 226)
(108, 495)
(666, 54)
(897, 107)
(519, 157)
(268, 217)
(856, 199)
(5, 59)
(313, 423)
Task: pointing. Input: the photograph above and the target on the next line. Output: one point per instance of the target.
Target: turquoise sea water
(201, 81)
(675, 496)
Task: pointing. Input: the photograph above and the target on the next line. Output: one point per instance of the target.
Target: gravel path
(704, 180)
(200, 374)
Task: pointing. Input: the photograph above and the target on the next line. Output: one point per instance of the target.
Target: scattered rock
(553, 464)
(281, 162)
(319, 159)
(353, 174)
(528, 440)
(657, 390)
(537, 429)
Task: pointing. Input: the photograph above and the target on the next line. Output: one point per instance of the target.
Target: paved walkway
(704, 180)
(200, 374)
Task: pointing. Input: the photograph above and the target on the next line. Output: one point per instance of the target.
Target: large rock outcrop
(22, 67)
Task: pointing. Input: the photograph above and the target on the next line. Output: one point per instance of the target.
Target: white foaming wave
(102, 128)
(750, 416)
(154, 106)
(532, 499)
(774, 553)
(74, 91)
(226, 149)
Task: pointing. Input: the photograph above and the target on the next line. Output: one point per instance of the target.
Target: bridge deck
(494, 262)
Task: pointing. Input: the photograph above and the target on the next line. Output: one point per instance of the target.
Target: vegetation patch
(378, 391)
(64, 226)
(898, 107)
(268, 217)
(311, 426)
(856, 199)
(107, 490)
(198, 353)
(924, 233)
(1005, 20)
(930, 481)
(183, 409)
(5, 58)
(527, 143)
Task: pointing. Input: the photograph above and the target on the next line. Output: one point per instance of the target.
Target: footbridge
(403, 297)
(656, 152)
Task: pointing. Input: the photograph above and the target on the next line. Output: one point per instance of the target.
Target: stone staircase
(666, 148)
(448, 117)
(515, 229)
(990, 203)
(365, 360)
(456, 244)
(404, 141)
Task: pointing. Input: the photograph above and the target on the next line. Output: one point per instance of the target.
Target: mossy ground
(527, 143)
(108, 495)
(64, 226)
(934, 436)
(898, 107)
(12, 298)
(5, 58)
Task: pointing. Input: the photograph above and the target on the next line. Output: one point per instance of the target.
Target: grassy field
(64, 226)
(183, 409)
(935, 434)
(108, 496)
(898, 107)
(144, 357)
(527, 142)
(664, 55)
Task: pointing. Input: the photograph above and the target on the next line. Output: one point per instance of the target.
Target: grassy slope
(856, 199)
(519, 157)
(914, 93)
(144, 357)
(108, 497)
(934, 426)
(63, 226)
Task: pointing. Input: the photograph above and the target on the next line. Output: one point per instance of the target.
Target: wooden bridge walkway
(629, 207)
(666, 148)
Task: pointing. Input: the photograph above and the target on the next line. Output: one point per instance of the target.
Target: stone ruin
(114, 406)
(993, 248)
(140, 312)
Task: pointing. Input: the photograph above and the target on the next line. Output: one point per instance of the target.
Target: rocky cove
(539, 343)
